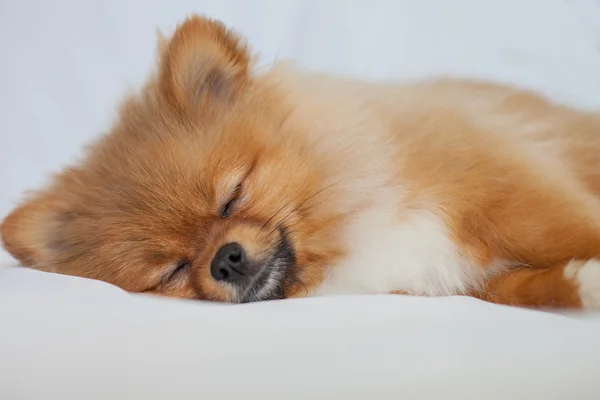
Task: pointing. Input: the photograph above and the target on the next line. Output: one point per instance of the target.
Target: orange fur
(529, 287)
(514, 179)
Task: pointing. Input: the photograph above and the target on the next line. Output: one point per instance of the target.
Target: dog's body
(223, 184)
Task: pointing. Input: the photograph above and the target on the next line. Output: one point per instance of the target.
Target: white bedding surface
(79, 338)
(64, 66)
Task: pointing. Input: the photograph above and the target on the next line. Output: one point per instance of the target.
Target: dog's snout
(229, 264)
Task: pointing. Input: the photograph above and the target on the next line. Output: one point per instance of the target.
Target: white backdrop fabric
(64, 67)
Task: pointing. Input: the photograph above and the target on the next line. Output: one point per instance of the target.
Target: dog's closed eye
(228, 208)
(181, 270)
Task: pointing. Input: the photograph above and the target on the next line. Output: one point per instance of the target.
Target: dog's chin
(270, 281)
(268, 284)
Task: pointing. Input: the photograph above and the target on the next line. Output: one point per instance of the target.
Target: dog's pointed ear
(25, 230)
(203, 66)
(162, 42)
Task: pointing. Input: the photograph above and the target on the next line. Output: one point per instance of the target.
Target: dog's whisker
(299, 206)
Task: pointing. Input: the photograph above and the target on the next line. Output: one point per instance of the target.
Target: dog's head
(203, 188)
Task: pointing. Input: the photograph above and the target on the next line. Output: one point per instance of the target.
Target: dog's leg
(575, 284)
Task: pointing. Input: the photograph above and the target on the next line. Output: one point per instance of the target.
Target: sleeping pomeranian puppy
(221, 183)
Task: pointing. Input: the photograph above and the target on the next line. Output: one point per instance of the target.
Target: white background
(64, 65)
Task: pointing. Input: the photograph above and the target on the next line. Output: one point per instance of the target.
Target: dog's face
(202, 190)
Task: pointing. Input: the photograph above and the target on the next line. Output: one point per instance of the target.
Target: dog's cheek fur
(308, 210)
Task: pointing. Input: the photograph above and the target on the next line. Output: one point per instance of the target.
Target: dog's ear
(162, 42)
(34, 232)
(203, 66)
(25, 231)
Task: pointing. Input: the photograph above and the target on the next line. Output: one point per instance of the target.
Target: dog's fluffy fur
(435, 188)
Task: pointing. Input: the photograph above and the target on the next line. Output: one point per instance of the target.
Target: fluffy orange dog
(221, 183)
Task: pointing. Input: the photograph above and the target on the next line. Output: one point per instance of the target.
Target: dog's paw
(587, 276)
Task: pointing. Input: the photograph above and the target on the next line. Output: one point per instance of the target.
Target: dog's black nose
(229, 264)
